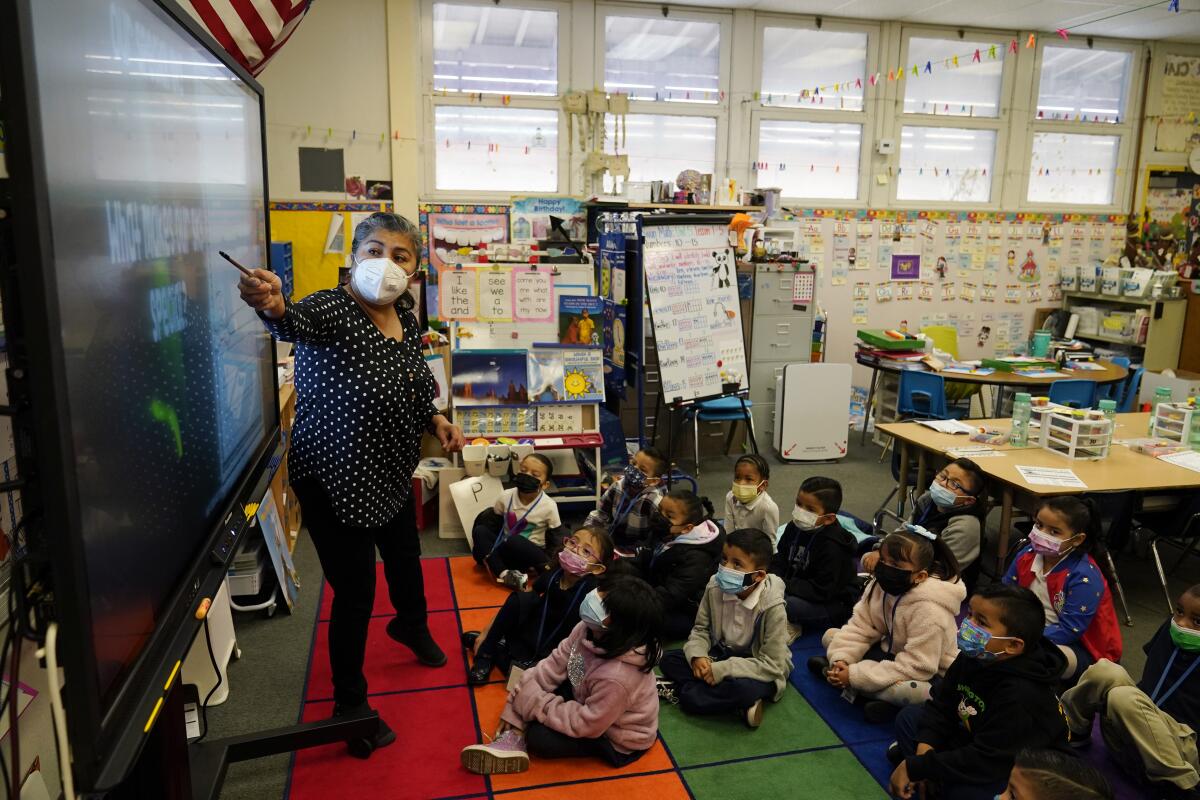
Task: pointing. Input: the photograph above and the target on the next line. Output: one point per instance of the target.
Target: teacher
(364, 397)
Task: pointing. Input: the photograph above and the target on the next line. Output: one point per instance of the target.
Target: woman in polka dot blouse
(364, 397)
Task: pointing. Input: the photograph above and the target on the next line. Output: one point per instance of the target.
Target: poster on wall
(1180, 98)
(529, 218)
(906, 267)
(450, 232)
(580, 321)
(490, 378)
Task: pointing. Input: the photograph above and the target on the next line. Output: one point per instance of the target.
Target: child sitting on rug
(748, 505)
(517, 545)
(902, 632)
(1053, 775)
(594, 696)
(531, 624)
(1150, 727)
(629, 508)
(737, 655)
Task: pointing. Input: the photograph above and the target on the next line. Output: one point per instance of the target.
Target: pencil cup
(498, 459)
(474, 456)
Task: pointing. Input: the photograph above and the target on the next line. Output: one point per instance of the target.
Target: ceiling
(1144, 21)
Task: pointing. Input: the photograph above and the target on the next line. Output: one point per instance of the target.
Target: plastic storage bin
(1085, 437)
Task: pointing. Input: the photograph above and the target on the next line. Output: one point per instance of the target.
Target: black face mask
(893, 580)
(526, 483)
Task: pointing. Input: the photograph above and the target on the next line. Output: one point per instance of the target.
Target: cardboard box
(1183, 384)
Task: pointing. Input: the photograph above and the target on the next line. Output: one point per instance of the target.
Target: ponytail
(1083, 515)
(698, 509)
(923, 553)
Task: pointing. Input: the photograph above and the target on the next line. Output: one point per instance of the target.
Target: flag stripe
(252, 31)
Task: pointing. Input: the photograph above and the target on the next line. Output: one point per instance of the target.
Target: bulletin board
(694, 308)
(307, 225)
(528, 347)
(983, 274)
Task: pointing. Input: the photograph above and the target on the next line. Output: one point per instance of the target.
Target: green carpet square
(790, 724)
(828, 774)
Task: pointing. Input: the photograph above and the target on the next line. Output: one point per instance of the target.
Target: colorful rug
(811, 743)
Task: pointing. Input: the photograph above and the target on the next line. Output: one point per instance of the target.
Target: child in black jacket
(816, 560)
(1149, 727)
(682, 559)
(997, 697)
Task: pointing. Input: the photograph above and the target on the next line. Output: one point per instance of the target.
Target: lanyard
(889, 627)
(1154, 698)
(505, 531)
(546, 607)
(925, 513)
(624, 509)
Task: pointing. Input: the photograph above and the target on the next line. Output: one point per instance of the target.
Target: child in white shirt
(748, 505)
(526, 513)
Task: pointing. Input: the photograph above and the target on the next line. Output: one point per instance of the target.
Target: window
(810, 159)
(660, 147)
(1083, 85)
(496, 149)
(795, 61)
(495, 50)
(954, 120)
(1081, 137)
(946, 164)
(969, 89)
(810, 114)
(492, 108)
(665, 59)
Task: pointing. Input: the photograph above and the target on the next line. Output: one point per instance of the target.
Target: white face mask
(805, 520)
(378, 281)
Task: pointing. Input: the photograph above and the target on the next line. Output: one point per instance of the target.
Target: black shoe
(362, 748)
(817, 665)
(879, 711)
(469, 638)
(894, 754)
(480, 671)
(420, 642)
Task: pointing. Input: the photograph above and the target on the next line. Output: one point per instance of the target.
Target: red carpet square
(489, 702)
(437, 590)
(473, 586)
(666, 786)
(391, 667)
(431, 728)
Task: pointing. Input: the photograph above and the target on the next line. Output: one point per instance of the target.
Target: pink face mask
(572, 562)
(1046, 544)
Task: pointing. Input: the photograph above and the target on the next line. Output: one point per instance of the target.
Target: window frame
(1001, 123)
(431, 100)
(719, 110)
(866, 118)
(1126, 129)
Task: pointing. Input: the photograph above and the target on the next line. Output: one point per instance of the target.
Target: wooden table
(1112, 373)
(1123, 470)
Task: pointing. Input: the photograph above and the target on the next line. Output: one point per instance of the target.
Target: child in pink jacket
(902, 631)
(595, 695)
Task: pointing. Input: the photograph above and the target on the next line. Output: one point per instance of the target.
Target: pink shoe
(505, 754)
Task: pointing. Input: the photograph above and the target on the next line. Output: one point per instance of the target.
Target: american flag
(250, 30)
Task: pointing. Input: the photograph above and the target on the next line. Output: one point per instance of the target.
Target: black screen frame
(105, 742)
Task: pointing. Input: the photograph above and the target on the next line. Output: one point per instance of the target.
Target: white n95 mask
(379, 281)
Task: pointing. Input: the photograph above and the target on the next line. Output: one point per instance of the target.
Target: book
(947, 425)
(1014, 363)
(581, 321)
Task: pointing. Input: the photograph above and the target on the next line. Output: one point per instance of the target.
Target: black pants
(515, 552)
(677, 625)
(697, 697)
(548, 743)
(347, 555)
(513, 634)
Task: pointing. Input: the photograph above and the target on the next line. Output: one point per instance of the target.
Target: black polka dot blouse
(362, 402)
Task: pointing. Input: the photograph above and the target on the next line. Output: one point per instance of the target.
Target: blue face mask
(592, 611)
(972, 641)
(941, 496)
(731, 581)
(635, 479)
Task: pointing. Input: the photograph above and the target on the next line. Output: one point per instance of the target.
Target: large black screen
(153, 160)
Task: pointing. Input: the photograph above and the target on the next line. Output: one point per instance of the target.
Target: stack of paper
(947, 425)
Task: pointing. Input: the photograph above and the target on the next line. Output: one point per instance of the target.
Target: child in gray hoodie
(737, 655)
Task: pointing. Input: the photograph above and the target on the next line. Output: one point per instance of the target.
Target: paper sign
(457, 295)
(473, 495)
(533, 296)
(437, 365)
(276, 540)
(495, 294)
(1051, 476)
(560, 419)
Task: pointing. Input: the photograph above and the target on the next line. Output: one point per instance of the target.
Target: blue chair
(1113, 391)
(1129, 391)
(1121, 361)
(923, 396)
(1076, 393)
(723, 409)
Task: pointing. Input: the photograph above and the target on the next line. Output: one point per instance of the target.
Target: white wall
(332, 73)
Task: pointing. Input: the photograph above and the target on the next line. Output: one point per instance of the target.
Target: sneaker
(514, 579)
(420, 642)
(794, 632)
(480, 671)
(468, 639)
(505, 754)
(363, 748)
(666, 691)
(754, 714)
(894, 754)
(879, 711)
(817, 665)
